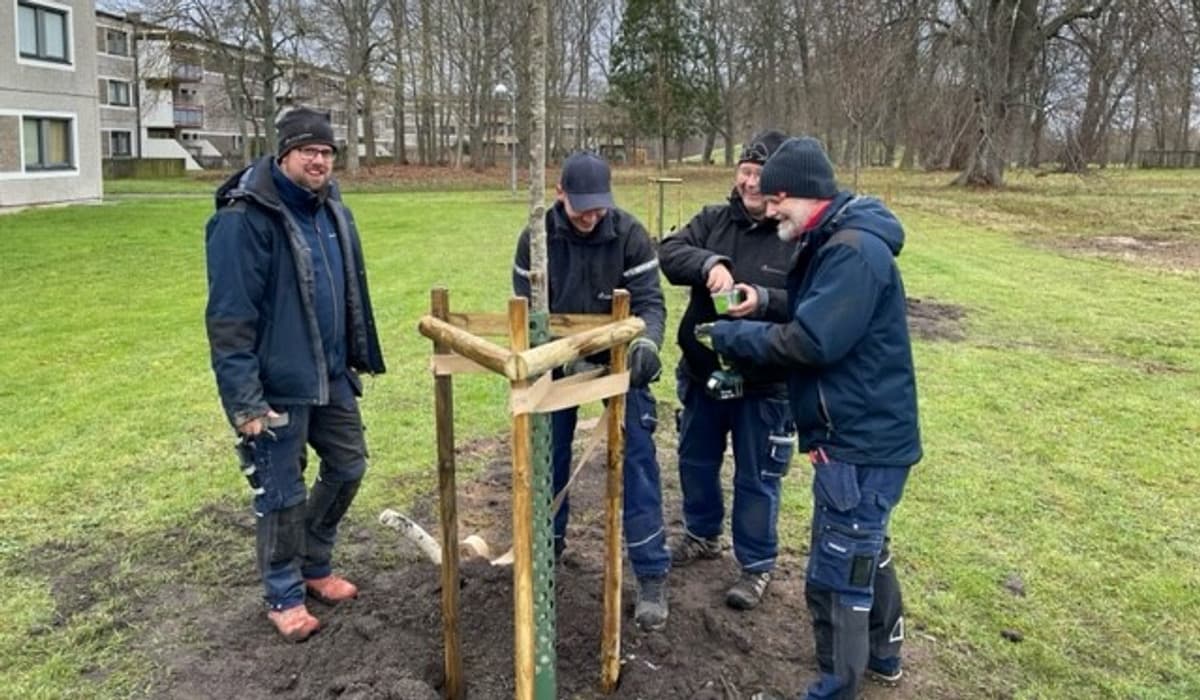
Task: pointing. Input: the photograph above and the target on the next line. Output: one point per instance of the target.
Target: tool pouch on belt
(245, 452)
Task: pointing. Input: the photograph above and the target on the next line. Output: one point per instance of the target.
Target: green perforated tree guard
(545, 659)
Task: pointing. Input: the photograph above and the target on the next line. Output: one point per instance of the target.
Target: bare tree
(1004, 39)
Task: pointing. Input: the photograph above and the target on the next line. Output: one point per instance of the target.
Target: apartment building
(166, 94)
(49, 121)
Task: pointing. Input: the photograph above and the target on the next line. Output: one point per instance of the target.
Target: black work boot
(748, 592)
(651, 611)
(686, 549)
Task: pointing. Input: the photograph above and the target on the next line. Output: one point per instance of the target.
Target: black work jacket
(725, 234)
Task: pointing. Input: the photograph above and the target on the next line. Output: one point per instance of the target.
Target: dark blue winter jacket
(262, 315)
(584, 270)
(851, 381)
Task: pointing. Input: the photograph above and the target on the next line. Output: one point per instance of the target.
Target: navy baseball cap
(587, 182)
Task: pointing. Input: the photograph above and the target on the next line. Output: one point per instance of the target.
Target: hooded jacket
(845, 343)
(726, 234)
(584, 270)
(263, 329)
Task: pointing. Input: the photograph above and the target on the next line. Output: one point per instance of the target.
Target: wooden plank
(525, 400)
(522, 515)
(610, 642)
(445, 365)
(485, 353)
(579, 393)
(497, 324)
(543, 358)
(443, 392)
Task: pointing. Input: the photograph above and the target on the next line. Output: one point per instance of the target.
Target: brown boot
(296, 624)
(331, 589)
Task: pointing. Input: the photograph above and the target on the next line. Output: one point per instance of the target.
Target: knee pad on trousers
(329, 501)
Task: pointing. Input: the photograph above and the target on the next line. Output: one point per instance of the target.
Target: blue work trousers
(297, 529)
(851, 587)
(645, 540)
(764, 438)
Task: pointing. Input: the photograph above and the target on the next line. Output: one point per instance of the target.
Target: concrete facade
(49, 120)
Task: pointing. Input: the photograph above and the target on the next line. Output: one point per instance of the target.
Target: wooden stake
(610, 644)
(443, 402)
(531, 363)
(487, 354)
(522, 514)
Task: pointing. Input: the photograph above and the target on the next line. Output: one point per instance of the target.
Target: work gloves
(703, 333)
(644, 365)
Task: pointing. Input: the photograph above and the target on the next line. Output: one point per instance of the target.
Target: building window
(43, 33)
(120, 144)
(116, 42)
(118, 93)
(47, 143)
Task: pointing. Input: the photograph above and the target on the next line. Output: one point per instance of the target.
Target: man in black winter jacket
(592, 249)
(732, 247)
(845, 344)
(290, 325)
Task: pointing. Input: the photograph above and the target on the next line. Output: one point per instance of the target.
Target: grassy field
(1057, 501)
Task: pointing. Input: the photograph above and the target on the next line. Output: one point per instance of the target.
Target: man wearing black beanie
(729, 252)
(844, 341)
(290, 327)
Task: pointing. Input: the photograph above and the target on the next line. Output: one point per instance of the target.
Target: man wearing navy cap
(845, 344)
(594, 248)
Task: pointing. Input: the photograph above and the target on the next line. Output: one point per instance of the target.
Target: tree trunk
(427, 124)
(352, 126)
(1131, 149)
(369, 122)
(537, 168)
(399, 44)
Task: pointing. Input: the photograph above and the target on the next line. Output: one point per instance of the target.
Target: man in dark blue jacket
(592, 249)
(726, 248)
(290, 326)
(853, 393)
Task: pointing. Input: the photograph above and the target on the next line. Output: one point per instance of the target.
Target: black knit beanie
(303, 126)
(760, 146)
(799, 168)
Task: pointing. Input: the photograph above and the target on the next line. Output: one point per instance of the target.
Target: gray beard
(786, 230)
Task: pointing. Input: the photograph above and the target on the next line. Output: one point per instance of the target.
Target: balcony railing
(191, 117)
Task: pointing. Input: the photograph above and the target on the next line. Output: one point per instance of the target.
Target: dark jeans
(297, 529)
(851, 586)
(643, 521)
(763, 443)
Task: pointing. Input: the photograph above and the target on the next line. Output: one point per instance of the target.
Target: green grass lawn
(1061, 436)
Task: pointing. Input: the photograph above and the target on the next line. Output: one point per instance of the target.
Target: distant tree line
(969, 86)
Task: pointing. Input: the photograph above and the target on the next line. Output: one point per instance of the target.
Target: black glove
(703, 333)
(644, 365)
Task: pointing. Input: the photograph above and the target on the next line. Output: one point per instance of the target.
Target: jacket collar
(256, 183)
(737, 210)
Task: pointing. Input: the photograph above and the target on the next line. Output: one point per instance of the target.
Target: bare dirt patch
(206, 635)
(934, 320)
(1158, 250)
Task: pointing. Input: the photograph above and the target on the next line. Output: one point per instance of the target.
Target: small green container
(723, 300)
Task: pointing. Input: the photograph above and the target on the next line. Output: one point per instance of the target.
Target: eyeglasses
(312, 153)
(756, 151)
